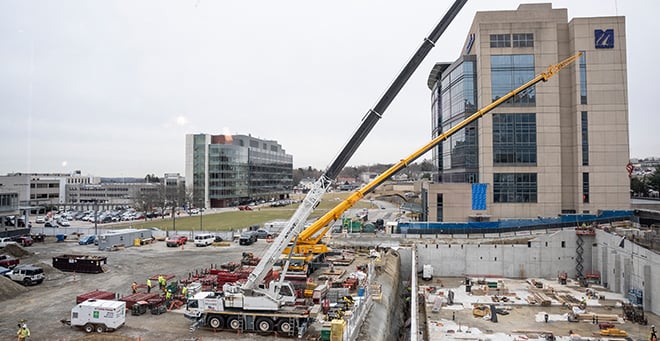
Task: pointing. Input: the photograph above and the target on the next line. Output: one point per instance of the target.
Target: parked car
(3, 270)
(176, 240)
(26, 274)
(6, 241)
(40, 220)
(51, 224)
(63, 222)
(204, 239)
(263, 234)
(248, 238)
(157, 233)
(8, 261)
(24, 240)
(86, 240)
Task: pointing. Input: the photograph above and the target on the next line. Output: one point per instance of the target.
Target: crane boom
(313, 197)
(308, 240)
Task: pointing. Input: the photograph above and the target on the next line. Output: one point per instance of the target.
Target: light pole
(201, 213)
(174, 217)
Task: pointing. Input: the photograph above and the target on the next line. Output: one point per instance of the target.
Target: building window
(523, 40)
(584, 127)
(585, 188)
(514, 139)
(500, 40)
(508, 72)
(514, 187)
(439, 207)
(583, 78)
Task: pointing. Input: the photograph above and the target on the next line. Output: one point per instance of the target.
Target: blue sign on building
(479, 196)
(604, 39)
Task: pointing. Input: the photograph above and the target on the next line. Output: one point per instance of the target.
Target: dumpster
(60, 237)
(80, 263)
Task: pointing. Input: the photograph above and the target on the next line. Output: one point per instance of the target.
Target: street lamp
(174, 217)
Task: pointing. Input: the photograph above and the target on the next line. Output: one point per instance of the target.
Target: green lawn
(226, 221)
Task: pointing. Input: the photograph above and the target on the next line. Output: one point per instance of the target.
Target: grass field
(226, 221)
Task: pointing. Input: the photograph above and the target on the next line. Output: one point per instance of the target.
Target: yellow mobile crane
(308, 240)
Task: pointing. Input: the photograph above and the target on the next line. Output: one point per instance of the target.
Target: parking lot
(44, 305)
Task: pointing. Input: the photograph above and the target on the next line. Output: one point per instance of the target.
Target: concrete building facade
(231, 170)
(561, 147)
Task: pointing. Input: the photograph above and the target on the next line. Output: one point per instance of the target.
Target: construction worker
(134, 287)
(161, 280)
(23, 332)
(168, 296)
(653, 336)
(148, 285)
(184, 291)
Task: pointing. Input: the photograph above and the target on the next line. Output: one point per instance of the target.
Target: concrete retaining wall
(625, 266)
(545, 256)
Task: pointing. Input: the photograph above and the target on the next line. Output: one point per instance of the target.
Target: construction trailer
(124, 238)
(98, 315)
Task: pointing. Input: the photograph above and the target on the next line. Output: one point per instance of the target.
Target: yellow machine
(613, 332)
(309, 238)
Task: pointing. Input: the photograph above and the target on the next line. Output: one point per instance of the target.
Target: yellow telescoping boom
(309, 239)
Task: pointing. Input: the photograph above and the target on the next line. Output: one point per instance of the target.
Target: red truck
(8, 261)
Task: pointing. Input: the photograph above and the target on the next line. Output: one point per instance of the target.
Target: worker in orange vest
(134, 287)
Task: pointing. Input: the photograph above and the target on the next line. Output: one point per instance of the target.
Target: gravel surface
(44, 305)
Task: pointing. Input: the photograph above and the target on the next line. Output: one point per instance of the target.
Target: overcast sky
(111, 87)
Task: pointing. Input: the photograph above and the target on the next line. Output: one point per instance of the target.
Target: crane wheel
(216, 322)
(285, 326)
(264, 324)
(234, 323)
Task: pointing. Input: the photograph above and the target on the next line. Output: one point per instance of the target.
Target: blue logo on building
(470, 41)
(604, 39)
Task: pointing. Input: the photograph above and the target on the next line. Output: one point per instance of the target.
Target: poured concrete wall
(544, 256)
(625, 266)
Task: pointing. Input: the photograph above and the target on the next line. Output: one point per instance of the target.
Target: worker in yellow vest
(148, 285)
(23, 332)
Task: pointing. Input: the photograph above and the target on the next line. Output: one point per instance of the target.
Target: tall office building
(230, 170)
(560, 147)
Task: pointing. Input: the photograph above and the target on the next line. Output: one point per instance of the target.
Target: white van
(204, 239)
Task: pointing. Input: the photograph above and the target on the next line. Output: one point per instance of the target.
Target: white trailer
(99, 315)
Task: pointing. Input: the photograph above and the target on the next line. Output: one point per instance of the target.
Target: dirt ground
(44, 305)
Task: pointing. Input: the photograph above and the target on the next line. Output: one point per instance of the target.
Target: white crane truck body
(218, 311)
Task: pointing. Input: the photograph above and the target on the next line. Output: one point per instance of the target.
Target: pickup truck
(8, 261)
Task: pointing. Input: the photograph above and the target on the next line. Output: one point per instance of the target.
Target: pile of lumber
(536, 297)
(597, 317)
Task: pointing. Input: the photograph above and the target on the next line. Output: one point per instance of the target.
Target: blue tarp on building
(568, 220)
